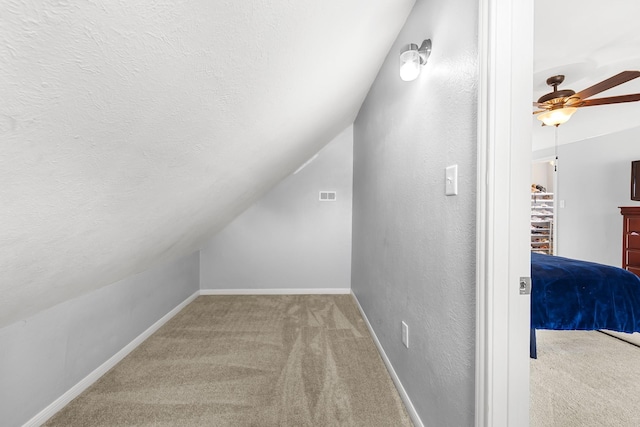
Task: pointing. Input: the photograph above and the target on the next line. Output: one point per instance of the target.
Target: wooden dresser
(631, 238)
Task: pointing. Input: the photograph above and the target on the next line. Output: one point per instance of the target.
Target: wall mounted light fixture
(412, 58)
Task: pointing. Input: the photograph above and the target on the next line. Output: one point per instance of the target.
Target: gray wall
(43, 356)
(413, 247)
(593, 181)
(289, 239)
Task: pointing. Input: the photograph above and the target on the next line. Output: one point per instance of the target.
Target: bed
(569, 294)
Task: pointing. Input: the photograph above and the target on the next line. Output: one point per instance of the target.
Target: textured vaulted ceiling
(587, 41)
(130, 131)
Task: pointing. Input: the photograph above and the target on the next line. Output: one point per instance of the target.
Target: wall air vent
(327, 196)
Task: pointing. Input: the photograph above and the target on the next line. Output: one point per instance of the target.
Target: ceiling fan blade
(539, 111)
(611, 100)
(616, 80)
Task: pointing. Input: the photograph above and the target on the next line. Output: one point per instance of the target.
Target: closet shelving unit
(542, 223)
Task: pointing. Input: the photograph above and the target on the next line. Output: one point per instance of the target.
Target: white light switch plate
(451, 180)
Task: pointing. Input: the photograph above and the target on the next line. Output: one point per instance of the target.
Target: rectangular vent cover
(327, 196)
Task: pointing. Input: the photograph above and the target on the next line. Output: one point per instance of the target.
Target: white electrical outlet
(405, 334)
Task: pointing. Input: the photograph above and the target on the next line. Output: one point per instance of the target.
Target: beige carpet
(295, 360)
(584, 378)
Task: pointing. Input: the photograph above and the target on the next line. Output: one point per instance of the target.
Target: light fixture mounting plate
(425, 51)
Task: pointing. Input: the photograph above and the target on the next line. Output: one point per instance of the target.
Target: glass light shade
(409, 64)
(557, 117)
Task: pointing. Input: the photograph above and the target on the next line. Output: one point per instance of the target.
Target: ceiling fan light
(557, 117)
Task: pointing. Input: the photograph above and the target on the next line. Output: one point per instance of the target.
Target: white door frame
(505, 58)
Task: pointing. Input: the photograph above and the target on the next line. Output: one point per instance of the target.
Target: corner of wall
(290, 239)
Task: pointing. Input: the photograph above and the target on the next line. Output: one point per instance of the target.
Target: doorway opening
(544, 206)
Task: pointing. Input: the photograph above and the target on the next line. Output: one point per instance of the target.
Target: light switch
(451, 180)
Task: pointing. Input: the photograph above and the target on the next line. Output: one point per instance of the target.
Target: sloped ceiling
(587, 41)
(130, 132)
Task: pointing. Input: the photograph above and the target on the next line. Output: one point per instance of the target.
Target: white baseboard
(87, 381)
(411, 410)
(74, 391)
(314, 291)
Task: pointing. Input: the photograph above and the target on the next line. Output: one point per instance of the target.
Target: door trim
(505, 59)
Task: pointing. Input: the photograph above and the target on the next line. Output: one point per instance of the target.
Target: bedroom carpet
(584, 378)
(285, 360)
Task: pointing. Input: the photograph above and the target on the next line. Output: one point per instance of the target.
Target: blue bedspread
(572, 294)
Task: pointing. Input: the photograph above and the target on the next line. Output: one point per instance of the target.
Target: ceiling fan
(558, 106)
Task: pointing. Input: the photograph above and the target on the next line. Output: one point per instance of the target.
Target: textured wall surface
(45, 355)
(130, 132)
(593, 181)
(413, 247)
(288, 238)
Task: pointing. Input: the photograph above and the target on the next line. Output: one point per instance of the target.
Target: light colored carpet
(584, 378)
(294, 360)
